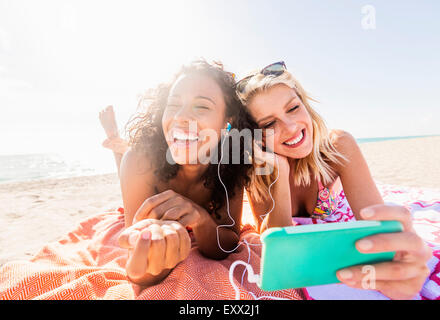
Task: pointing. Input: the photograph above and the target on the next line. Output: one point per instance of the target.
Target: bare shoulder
(136, 171)
(344, 142)
(137, 182)
(346, 145)
(134, 162)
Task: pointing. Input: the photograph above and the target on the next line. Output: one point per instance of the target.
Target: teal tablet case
(309, 255)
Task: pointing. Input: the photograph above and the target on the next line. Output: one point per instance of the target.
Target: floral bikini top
(327, 201)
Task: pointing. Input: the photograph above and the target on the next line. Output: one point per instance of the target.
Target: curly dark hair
(146, 134)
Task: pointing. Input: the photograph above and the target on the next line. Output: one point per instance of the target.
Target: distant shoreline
(378, 139)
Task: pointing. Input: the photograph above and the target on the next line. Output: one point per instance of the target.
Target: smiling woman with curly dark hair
(167, 201)
(147, 137)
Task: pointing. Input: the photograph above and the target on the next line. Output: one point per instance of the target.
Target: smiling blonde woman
(316, 167)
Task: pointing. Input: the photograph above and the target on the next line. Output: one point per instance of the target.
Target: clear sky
(63, 61)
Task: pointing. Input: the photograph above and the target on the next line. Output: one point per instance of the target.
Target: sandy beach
(411, 162)
(34, 213)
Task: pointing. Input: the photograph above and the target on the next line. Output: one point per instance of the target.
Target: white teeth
(290, 143)
(178, 135)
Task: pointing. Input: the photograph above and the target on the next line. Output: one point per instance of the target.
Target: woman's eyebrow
(288, 102)
(206, 98)
(261, 120)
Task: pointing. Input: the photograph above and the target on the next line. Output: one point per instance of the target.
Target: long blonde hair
(316, 164)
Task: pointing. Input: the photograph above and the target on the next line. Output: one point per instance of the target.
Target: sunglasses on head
(275, 69)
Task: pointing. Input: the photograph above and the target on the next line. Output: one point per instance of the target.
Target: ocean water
(365, 140)
(25, 167)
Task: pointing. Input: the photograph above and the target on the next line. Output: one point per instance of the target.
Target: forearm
(274, 220)
(281, 215)
(205, 234)
(118, 159)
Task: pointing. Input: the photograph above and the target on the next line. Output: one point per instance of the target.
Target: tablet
(309, 255)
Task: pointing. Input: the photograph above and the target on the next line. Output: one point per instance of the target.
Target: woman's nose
(288, 125)
(184, 113)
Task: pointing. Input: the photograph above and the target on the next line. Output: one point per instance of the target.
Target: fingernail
(365, 245)
(132, 238)
(367, 213)
(345, 274)
(146, 235)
